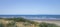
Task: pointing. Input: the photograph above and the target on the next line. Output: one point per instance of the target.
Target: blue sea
(53, 17)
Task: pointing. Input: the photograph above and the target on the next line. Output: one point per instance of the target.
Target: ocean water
(33, 16)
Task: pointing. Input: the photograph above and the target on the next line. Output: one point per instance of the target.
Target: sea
(33, 17)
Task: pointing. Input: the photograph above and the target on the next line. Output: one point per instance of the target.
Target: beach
(57, 22)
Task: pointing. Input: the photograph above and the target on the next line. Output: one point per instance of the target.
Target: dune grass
(43, 24)
(25, 23)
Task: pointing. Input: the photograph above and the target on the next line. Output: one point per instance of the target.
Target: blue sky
(29, 7)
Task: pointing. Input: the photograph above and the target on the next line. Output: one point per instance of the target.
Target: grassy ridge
(21, 22)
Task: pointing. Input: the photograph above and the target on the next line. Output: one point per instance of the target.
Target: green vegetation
(1, 25)
(11, 24)
(26, 22)
(47, 25)
(17, 19)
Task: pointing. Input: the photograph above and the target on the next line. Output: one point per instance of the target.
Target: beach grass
(21, 22)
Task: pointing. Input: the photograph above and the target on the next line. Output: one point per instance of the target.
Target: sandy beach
(57, 22)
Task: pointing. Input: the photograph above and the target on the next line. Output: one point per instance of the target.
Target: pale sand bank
(57, 22)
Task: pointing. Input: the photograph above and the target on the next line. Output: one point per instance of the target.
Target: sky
(29, 7)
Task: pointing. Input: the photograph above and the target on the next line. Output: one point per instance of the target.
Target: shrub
(47, 25)
(17, 19)
(11, 24)
(1, 25)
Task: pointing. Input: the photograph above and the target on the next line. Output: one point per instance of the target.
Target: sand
(57, 22)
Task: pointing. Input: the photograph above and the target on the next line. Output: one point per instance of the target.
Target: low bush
(1, 25)
(47, 25)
